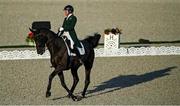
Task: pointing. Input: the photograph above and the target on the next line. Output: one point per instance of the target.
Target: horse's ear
(32, 30)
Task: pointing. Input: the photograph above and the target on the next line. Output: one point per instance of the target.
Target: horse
(60, 59)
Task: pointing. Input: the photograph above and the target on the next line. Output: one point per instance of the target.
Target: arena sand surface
(122, 80)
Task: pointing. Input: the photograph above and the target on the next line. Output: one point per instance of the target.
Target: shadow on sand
(123, 81)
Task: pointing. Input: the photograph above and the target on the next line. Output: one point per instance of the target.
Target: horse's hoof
(48, 94)
(79, 98)
(76, 98)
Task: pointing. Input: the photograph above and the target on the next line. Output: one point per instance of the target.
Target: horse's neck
(50, 36)
(54, 44)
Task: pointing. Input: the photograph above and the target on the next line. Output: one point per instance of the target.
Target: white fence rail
(101, 52)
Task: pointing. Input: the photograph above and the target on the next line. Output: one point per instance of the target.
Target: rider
(67, 28)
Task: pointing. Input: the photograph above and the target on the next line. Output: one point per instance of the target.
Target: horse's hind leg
(88, 66)
(87, 81)
(75, 79)
(87, 75)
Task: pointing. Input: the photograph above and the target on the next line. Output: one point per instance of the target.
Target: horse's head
(40, 39)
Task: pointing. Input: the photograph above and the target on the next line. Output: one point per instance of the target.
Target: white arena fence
(100, 52)
(111, 49)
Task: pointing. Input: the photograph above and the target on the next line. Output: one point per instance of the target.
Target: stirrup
(72, 54)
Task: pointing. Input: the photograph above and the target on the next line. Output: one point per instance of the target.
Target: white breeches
(69, 38)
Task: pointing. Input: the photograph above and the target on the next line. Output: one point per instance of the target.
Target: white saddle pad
(81, 50)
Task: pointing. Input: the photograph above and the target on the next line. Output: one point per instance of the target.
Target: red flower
(30, 35)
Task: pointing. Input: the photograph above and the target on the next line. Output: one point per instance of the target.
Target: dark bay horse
(59, 58)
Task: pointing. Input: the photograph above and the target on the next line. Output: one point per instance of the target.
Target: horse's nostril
(38, 50)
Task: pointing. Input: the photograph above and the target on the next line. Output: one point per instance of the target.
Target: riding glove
(60, 31)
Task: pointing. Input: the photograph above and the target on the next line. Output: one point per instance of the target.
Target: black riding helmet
(69, 8)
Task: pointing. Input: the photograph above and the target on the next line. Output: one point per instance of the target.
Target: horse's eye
(38, 37)
(35, 38)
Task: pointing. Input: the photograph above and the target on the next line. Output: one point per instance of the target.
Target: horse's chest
(54, 61)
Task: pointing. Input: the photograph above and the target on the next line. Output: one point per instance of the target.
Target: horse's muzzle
(40, 51)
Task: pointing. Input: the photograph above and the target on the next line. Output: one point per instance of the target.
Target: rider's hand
(61, 29)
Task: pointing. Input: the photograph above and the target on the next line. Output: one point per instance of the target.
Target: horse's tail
(93, 40)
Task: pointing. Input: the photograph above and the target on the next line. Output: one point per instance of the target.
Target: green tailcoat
(68, 26)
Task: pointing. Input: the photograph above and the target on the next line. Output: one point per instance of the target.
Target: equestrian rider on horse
(67, 28)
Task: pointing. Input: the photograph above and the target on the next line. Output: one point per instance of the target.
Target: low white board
(100, 52)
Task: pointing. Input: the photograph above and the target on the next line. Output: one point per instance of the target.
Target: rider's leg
(69, 38)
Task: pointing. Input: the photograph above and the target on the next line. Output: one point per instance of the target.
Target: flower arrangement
(113, 31)
(30, 39)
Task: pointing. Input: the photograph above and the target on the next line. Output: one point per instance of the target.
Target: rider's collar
(68, 16)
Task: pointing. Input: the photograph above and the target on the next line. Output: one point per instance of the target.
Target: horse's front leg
(70, 93)
(61, 77)
(51, 76)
